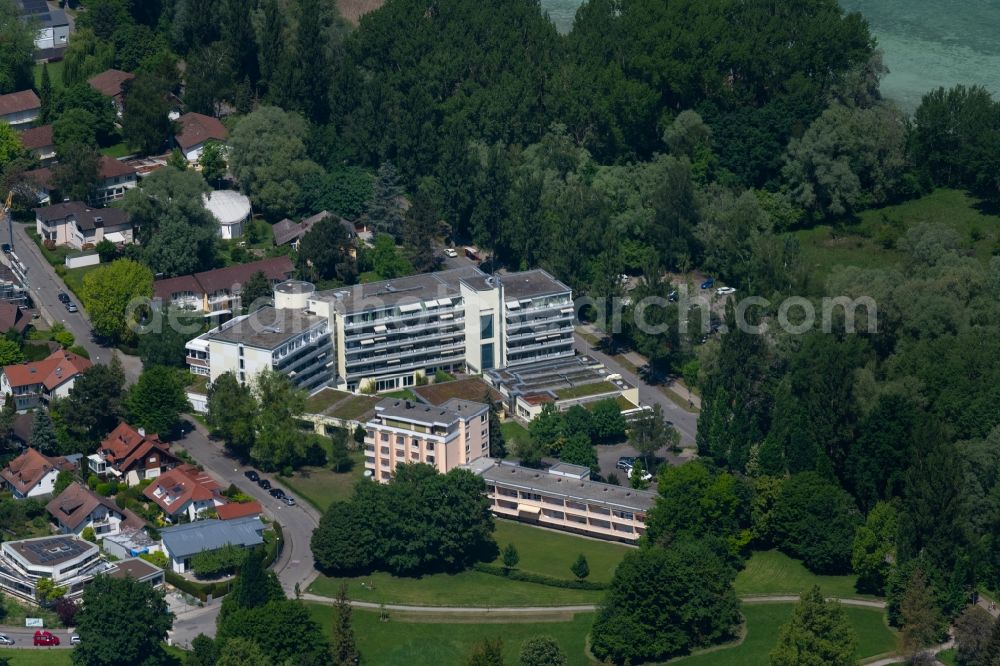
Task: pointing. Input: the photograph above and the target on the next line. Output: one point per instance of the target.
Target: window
(486, 356)
(430, 446)
(486, 326)
(384, 437)
(399, 439)
(430, 460)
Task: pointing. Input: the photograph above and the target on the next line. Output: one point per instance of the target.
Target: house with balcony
(34, 384)
(185, 493)
(447, 436)
(77, 507)
(217, 292)
(564, 498)
(33, 474)
(77, 225)
(20, 109)
(289, 341)
(114, 178)
(130, 455)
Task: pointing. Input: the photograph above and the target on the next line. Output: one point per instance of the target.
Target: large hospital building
(384, 335)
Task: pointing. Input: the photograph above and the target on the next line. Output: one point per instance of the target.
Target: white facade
(67, 561)
(230, 209)
(45, 486)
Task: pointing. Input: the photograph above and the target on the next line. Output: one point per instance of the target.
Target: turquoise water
(927, 43)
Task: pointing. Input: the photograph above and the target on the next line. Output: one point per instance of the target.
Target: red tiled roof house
(77, 507)
(185, 491)
(34, 384)
(33, 474)
(115, 178)
(39, 141)
(195, 130)
(218, 291)
(131, 455)
(20, 109)
(236, 510)
(111, 83)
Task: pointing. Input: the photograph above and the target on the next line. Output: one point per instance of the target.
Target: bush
(80, 351)
(220, 562)
(158, 559)
(539, 579)
(198, 590)
(89, 535)
(66, 610)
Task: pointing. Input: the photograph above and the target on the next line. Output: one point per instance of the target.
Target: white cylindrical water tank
(293, 294)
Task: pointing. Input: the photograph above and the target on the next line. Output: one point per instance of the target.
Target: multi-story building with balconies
(564, 497)
(453, 434)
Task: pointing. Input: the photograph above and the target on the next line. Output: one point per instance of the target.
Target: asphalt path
(23, 637)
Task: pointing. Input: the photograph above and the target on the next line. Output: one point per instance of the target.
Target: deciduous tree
(115, 295)
(232, 413)
(17, 49)
(325, 253)
(157, 400)
(542, 651)
(815, 520)
(76, 175)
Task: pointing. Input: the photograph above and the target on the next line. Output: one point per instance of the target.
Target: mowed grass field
(772, 572)
(869, 241)
(409, 640)
(320, 485)
(541, 551)
(763, 621)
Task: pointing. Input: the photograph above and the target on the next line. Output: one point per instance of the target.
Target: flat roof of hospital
(267, 328)
(540, 481)
(531, 284)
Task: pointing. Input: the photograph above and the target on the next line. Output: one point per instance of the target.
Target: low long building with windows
(447, 436)
(564, 497)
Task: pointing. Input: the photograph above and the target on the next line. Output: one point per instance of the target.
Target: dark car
(708, 284)
(63, 297)
(264, 483)
(252, 475)
(276, 492)
(46, 638)
(7, 248)
(673, 296)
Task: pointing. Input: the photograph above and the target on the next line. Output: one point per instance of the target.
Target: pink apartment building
(452, 434)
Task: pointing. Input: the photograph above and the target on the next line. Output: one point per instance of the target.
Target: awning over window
(115, 237)
(409, 307)
(513, 305)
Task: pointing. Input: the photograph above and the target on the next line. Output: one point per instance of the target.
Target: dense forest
(655, 137)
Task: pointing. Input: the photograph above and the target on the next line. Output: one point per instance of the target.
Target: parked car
(7, 248)
(63, 297)
(74, 639)
(625, 463)
(71, 307)
(646, 476)
(724, 291)
(264, 483)
(290, 501)
(450, 253)
(252, 475)
(45, 638)
(6, 640)
(708, 284)
(673, 296)
(276, 492)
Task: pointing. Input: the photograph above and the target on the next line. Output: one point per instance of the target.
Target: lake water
(927, 43)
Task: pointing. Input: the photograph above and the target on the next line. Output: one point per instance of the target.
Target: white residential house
(20, 109)
(79, 226)
(33, 474)
(182, 542)
(77, 507)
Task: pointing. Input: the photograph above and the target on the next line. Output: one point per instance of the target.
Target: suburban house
(564, 498)
(217, 291)
(33, 474)
(53, 28)
(454, 434)
(186, 492)
(287, 231)
(78, 507)
(66, 560)
(237, 510)
(39, 141)
(182, 542)
(231, 210)
(111, 83)
(35, 383)
(12, 318)
(195, 130)
(131, 455)
(114, 179)
(79, 226)
(20, 109)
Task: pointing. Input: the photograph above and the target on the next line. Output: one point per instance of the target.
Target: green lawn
(355, 407)
(74, 280)
(541, 551)
(319, 486)
(947, 657)
(551, 553)
(120, 149)
(513, 432)
(415, 643)
(469, 588)
(42, 657)
(323, 400)
(764, 621)
(55, 75)
(869, 241)
(402, 394)
(773, 572)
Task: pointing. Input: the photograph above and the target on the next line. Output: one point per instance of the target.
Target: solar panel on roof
(35, 6)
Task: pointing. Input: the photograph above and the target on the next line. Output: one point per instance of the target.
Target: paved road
(23, 636)
(45, 285)
(685, 422)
